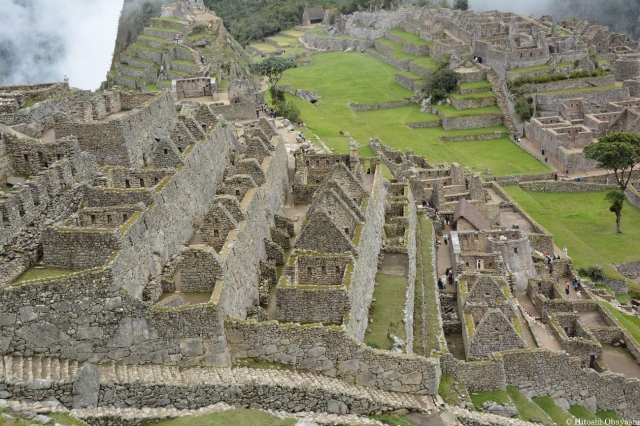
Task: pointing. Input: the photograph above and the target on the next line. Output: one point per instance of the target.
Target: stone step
(153, 41)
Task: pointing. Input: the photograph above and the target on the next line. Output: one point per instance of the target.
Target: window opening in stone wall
(237, 192)
(40, 156)
(324, 270)
(346, 231)
(142, 183)
(124, 217)
(93, 219)
(26, 158)
(338, 270)
(216, 234)
(108, 218)
(309, 271)
(59, 157)
(127, 184)
(155, 181)
(515, 250)
(166, 151)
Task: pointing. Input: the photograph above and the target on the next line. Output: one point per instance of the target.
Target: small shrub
(576, 63)
(524, 109)
(596, 273)
(374, 345)
(438, 95)
(198, 29)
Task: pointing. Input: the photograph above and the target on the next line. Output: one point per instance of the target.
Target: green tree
(272, 68)
(619, 152)
(461, 4)
(616, 199)
(523, 108)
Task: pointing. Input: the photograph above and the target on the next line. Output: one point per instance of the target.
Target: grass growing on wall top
(499, 397)
(411, 38)
(47, 272)
(447, 390)
(581, 412)
(236, 417)
(340, 78)
(527, 408)
(557, 414)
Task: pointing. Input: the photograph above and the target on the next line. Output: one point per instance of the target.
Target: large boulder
(86, 387)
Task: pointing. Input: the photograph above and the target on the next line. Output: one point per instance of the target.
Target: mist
(41, 41)
(537, 8)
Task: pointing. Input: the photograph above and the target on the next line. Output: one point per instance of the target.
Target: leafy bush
(444, 79)
(198, 29)
(523, 108)
(438, 95)
(595, 273)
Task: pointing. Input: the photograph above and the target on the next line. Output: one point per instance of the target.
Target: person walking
(566, 290)
(446, 239)
(543, 151)
(578, 295)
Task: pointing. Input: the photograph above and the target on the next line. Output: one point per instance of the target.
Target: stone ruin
(144, 252)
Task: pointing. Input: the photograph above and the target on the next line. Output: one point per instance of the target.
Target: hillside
(621, 16)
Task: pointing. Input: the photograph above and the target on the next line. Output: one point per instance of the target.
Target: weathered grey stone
(42, 334)
(86, 387)
(191, 347)
(132, 331)
(337, 407)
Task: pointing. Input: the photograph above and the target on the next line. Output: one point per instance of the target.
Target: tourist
(424, 204)
(566, 173)
(450, 276)
(446, 239)
(555, 176)
(578, 295)
(543, 151)
(546, 160)
(566, 290)
(606, 180)
(257, 113)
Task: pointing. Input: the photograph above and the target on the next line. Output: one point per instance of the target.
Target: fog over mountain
(43, 40)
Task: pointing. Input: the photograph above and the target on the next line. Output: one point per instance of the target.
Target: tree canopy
(461, 4)
(619, 152)
(273, 67)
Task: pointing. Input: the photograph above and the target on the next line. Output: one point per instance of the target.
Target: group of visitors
(548, 259)
(447, 277)
(516, 138)
(575, 282)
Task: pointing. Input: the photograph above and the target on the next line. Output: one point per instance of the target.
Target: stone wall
(95, 320)
(332, 352)
(311, 304)
(127, 140)
(471, 121)
(564, 186)
(633, 195)
(239, 111)
(334, 43)
(461, 104)
(381, 105)
(571, 83)
(364, 271)
(199, 267)
(38, 92)
(549, 103)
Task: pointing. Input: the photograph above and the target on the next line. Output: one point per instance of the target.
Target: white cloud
(51, 38)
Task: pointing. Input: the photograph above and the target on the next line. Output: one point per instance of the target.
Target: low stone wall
(471, 122)
(564, 186)
(38, 92)
(409, 83)
(572, 83)
(517, 179)
(461, 104)
(424, 124)
(633, 195)
(490, 136)
(391, 60)
(471, 77)
(311, 304)
(381, 105)
(600, 97)
(330, 351)
(511, 76)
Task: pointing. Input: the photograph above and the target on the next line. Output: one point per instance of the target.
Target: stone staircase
(29, 369)
(494, 80)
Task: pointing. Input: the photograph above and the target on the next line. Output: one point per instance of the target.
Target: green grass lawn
(283, 41)
(499, 397)
(527, 408)
(391, 420)
(237, 417)
(340, 78)
(557, 414)
(583, 223)
(319, 31)
(478, 95)
(483, 84)
(65, 419)
(609, 414)
(581, 412)
(390, 295)
(410, 38)
(292, 33)
(529, 69)
(264, 47)
(396, 49)
(448, 392)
